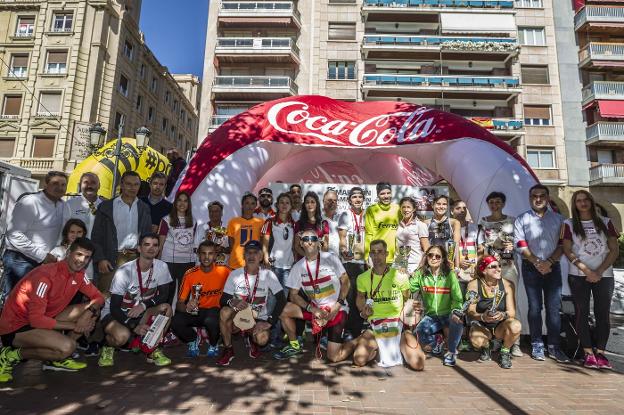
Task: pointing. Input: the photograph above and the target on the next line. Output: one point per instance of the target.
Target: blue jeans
(543, 289)
(276, 330)
(16, 266)
(430, 325)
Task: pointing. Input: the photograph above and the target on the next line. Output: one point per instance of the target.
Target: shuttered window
(12, 105)
(7, 145)
(43, 147)
(57, 62)
(537, 115)
(49, 103)
(534, 74)
(341, 31)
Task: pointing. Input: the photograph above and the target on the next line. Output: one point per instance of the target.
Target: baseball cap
(253, 245)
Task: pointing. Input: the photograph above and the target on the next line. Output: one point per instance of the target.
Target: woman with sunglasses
(311, 219)
(441, 294)
(277, 239)
(493, 316)
(412, 234)
(590, 244)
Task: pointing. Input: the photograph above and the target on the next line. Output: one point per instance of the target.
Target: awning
(477, 23)
(611, 109)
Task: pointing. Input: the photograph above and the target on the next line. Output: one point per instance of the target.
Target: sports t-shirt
(388, 300)
(382, 222)
(211, 282)
(334, 238)
(354, 225)
(320, 230)
(126, 283)
(328, 283)
(237, 287)
(409, 235)
(593, 249)
(242, 231)
(282, 234)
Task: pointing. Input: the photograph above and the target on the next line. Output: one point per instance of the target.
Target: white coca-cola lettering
(398, 127)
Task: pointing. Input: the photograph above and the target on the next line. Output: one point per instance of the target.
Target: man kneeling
(381, 293)
(326, 283)
(138, 292)
(493, 316)
(37, 312)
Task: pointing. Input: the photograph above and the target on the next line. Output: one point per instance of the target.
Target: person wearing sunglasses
(324, 281)
(436, 282)
(311, 219)
(493, 316)
(264, 210)
(381, 221)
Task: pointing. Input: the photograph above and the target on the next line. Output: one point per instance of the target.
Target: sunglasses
(493, 266)
(310, 239)
(434, 256)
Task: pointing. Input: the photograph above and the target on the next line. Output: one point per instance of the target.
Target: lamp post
(96, 137)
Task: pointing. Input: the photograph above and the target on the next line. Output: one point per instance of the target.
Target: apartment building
(65, 65)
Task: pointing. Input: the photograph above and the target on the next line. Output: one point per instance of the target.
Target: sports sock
(504, 350)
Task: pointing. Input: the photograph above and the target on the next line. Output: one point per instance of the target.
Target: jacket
(104, 232)
(440, 294)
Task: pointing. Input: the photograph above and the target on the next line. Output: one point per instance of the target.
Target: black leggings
(177, 271)
(602, 291)
(183, 324)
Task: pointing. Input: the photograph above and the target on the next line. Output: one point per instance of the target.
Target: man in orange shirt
(198, 301)
(243, 229)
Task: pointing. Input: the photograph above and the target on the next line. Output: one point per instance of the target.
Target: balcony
(40, 165)
(217, 120)
(613, 91)
(453, 86)
(429, 47)
(506, 128)
(606, 174)
(417, 4)
(48, 114)
(250, 87)
(607, 133)
(256, 13)
(602, 55)
(603, 18)
(258, 49)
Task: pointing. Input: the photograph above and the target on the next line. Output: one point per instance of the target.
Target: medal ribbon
(314, 281)
(374, 292)
(251, 294)
(357, 221)
(149, 278)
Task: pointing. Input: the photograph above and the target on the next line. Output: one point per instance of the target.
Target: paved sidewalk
(197, 386)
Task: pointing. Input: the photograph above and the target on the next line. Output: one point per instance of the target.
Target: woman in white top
(278, 234)
(590, 244)
(73, 229)
(177, 240)
(412, 237)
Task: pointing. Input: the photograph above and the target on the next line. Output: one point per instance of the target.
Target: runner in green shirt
(382, 221)
(381, 293)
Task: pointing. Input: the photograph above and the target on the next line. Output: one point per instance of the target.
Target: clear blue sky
(176, 33)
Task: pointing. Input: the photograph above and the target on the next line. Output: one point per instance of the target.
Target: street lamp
(97, 133)
(142, 137)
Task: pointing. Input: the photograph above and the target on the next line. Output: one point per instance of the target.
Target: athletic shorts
(105, 321)
(334, 328)
(7, 339)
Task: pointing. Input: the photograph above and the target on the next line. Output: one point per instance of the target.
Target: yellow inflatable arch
(103, 164)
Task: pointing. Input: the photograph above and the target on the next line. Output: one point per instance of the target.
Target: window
(165, 122)
(150, 114)
(142, 71)
(537, 115)
(25, 26)
(49, 104)
(128, 49)
(183, 115)
(534, 74)
(62, 22)
(119, 120)
(529, 4)
(7, 146)
(43, 147)
(176, 105)
(154, 85)
(19, 66)
(139, 103)
(56, 63)
(341, 31)
(605, 156)
(11, 107)
(167, 95)
(341, 1)
(123, 85)
(172, 134)
(341, 70)
(541, 158)
(532, 36)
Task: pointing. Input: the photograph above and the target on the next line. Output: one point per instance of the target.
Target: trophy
(451, 250)
(471, 298)
(219, 232)
(350, 243)
(402, 260)
(506, 237)
(496, 300)
(196, 293)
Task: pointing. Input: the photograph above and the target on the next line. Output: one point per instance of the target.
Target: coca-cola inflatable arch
(282, 140)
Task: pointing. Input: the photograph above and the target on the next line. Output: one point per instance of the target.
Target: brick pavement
(307, 386)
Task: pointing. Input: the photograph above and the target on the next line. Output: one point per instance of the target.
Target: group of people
(375, 283)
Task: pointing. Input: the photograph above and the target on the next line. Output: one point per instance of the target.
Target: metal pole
(117, 155)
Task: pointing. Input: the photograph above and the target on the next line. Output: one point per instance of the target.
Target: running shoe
(9, 357)
(92, 350)
(603, 362)
(515, 351)
(485, 355)
(504, 360)
(170, 340)
(537, 352)
(158, 358)
(65, 365)
(213, 351)
(106, 357)
(556, 354)
(287, 352)
(254, 350)
(192, 349)
(226, 356)
(590, 361)
(449, 359)
(437, 348)
(75, 355)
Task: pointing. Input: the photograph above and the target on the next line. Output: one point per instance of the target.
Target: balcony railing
(606, 131)
(277, 82)
(499, 124)
(48, 114)
(18, 72)
(602, 51)
(217, 120)
(442, 80)
(252, 8)
(61, 29)
(41, 164)
(502, 4)
(257, 43)
(603, 90)
(607, 173)
(9, 116)
(602, 14)
(484, 44)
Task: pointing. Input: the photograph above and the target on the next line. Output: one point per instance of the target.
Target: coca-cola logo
(396, 128)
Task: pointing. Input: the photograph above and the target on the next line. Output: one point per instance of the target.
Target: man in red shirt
(37, 312)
